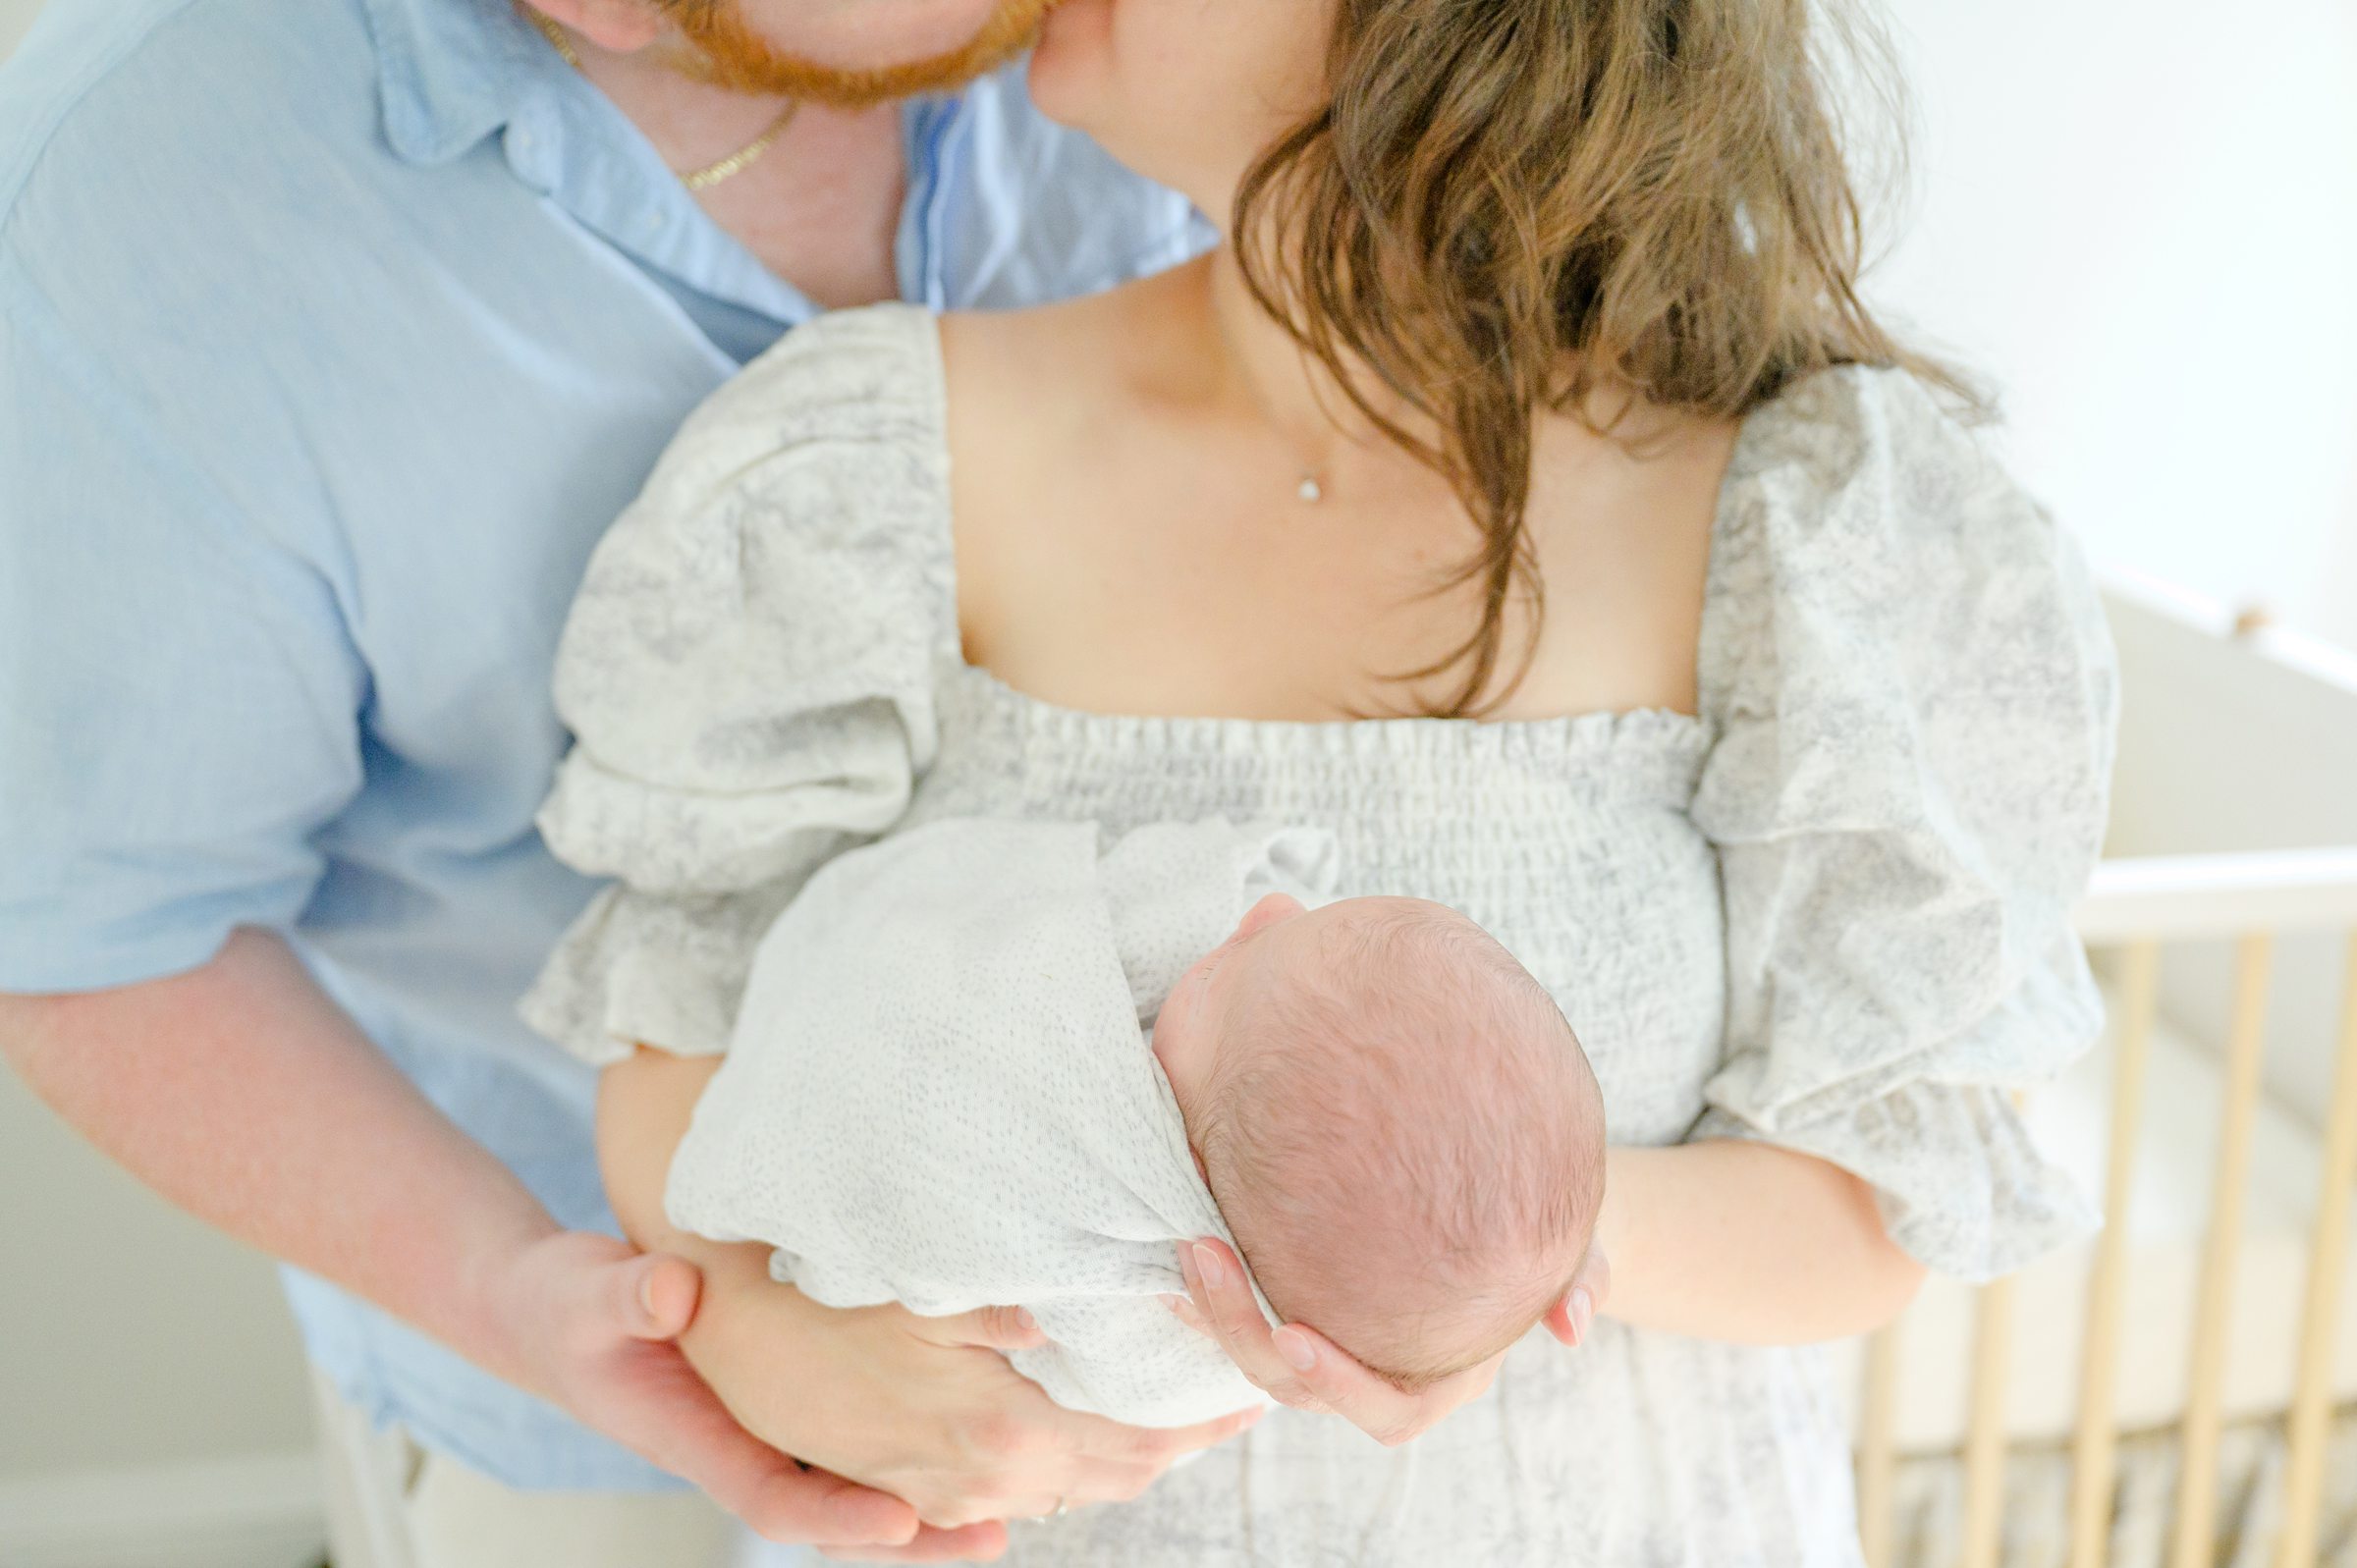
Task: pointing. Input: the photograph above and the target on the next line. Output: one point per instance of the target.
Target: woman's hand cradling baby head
(1304, 1370)
(1300, 1367)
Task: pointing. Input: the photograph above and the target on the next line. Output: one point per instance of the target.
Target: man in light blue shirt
(332, 334)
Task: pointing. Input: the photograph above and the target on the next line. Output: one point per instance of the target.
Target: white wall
(2141, 219)
(14, 17)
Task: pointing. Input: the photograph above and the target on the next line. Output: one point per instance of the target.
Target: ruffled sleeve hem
(1960, 1186)
(1913, 697)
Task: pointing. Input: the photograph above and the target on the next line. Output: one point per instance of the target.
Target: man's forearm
(243, 1094)
(1748, 1242)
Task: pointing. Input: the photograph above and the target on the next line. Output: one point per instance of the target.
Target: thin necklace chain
(1312, 488)
(710, 173)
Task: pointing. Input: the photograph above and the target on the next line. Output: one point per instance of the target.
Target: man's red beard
(731, 54)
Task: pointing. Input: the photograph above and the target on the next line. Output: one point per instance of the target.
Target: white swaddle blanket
(939, 1091)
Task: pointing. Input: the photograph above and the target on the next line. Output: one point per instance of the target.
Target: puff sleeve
(747, 672)
(1914, 697)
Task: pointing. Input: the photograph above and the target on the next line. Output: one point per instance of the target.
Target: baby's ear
(1273, 909)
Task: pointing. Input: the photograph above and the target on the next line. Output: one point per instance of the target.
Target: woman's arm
(1721, 1240)
(925, 1408)
(1748, 1242)
(243, 1094)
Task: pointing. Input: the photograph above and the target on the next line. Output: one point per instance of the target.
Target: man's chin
(727, 52)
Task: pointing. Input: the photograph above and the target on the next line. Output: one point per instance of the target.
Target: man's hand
(243, 1094)
(587, 1324)
(925, 1408)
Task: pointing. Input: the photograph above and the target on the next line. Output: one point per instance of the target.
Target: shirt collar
(452, 71)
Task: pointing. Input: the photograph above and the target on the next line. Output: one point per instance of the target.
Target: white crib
(2184, 1390)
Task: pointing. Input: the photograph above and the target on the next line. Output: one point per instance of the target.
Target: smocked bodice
(1568, 840)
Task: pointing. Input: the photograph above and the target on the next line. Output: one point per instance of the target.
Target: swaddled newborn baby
(939, 1092)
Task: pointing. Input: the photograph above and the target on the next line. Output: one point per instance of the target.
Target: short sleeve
(1914, 697)
(747, 672)
(178, 697)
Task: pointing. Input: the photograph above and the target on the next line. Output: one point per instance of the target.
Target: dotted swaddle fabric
(939, 1091)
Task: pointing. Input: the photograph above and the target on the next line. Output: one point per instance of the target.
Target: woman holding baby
(1522, 495)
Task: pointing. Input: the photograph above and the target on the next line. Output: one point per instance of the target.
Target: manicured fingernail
(1023, 1315)
(1296, 1349)
(646, 1294)
(1207, 1267)
(1177, 1304)
(1583, 1312)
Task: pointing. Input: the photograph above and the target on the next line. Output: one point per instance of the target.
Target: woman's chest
(1568, 843)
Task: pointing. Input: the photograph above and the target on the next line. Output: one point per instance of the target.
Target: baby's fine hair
(1407, 1139)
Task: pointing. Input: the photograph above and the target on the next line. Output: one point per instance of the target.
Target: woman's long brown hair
(1515, 205)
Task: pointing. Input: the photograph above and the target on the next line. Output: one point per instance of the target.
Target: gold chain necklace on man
(711, 173)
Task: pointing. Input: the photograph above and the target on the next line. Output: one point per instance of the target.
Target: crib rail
(2140, 907)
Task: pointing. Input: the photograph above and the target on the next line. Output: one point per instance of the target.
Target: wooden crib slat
(1985, 1438)
(2092, 1461)
(2197, 1486)
(2303, 1485)
(1878, 1452)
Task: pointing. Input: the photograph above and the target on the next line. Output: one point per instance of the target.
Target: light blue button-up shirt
(332, 334)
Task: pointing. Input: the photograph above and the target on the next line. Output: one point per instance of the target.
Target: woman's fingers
(1571, 1319)
(1215, 1281)
(1332, 1379)
(991, 1327)
(1299, 1367)
(1097, 1439)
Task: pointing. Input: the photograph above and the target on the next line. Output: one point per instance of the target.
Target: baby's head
(1398, 1123)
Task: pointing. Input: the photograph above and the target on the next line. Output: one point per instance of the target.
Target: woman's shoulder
(1862, 484)
(1868, 537)
(1829, 442)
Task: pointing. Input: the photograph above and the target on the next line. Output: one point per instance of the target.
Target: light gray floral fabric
(1827, 909)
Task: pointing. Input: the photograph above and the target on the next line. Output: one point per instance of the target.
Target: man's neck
(820, 207)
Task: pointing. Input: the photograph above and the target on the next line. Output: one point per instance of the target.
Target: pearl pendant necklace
(1311, 492)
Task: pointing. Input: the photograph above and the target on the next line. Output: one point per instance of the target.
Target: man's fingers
(775, 1496)
(796, 1505)
(967, 1543)
(655, 1296)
